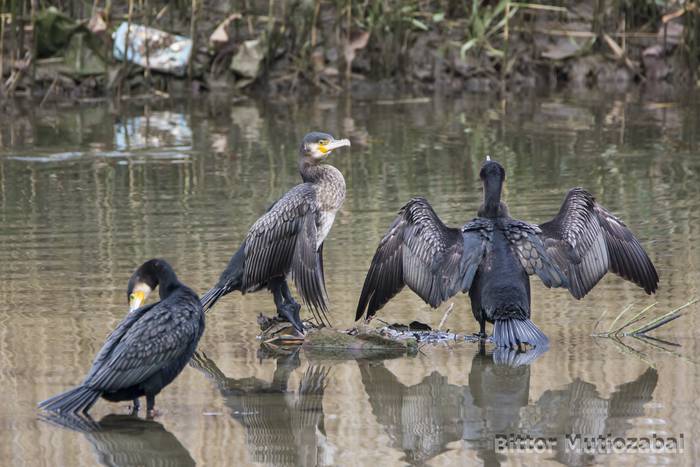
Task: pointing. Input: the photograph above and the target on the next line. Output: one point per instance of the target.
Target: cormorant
(148, 349)
(493, 255)
(289, 237)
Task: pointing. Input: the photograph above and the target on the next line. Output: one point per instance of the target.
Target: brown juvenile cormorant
(289, 237)
(493, 255)
(148, 349)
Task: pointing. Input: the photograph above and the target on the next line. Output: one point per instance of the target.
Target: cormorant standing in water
(289, 237)
(148, 349)
(492, 257)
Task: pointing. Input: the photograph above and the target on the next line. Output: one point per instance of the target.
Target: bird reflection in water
(283, 427)
(127, 440)
(422, 419)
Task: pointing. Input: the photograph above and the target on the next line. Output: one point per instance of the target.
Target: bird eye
(323, 142)
(132, 296)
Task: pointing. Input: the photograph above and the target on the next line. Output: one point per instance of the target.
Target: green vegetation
(327, 45)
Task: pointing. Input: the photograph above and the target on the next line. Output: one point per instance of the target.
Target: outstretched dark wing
(150, 341)
(586, 241)
(284, 240)
(434, 260)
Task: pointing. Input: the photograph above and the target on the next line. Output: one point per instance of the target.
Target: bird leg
(151, 406)
(287, 294)
(135, 406)
(318, 314)
(285, 310)
(482, 330)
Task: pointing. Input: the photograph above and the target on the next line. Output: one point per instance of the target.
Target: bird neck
(316, 173)
(167, 280)
(492, 206)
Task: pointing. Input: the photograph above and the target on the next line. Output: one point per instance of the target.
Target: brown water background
(89, 192)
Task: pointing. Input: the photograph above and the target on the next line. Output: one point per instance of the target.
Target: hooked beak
(136, 299)
(335, 144)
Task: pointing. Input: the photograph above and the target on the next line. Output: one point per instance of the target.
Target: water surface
(88, 193)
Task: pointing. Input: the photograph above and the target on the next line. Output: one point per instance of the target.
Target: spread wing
(532, 254)
(434, 260)
(586, 241)
(284, 240)
(152, 340)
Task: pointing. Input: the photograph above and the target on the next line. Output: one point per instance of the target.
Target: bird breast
(330, 194)
(325, 222)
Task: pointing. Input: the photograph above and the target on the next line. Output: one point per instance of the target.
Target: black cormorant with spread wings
(493, 255)
(147, 350)
(288, 238)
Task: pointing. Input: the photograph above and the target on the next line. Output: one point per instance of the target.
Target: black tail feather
(76, 400)
(231, 279)
(210, 298)
(513, 332)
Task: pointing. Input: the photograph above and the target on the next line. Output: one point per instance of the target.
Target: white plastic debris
(166, 52)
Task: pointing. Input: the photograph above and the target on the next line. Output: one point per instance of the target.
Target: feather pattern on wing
(586, 241)
(284, 240)
(531, 252)
(420, 251)
(148, 340)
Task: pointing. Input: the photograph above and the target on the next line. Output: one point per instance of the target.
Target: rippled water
(87, 193)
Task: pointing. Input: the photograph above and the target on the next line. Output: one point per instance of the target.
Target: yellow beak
(135, 300)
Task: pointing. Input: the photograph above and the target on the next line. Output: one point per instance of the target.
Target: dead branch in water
(641, 330)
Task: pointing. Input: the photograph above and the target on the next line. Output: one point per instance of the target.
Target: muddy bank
(373, 49)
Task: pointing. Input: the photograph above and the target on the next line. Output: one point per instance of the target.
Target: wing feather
(420, 251)
(586, 241)
(153, 340)
(532, 253)
(283, 240)
(306, 266)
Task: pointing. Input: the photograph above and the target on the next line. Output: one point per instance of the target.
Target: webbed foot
(290, 312)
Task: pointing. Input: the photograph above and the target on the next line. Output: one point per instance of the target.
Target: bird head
(492, 175)
(144, 281)
(316, 146)
(492, 170)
